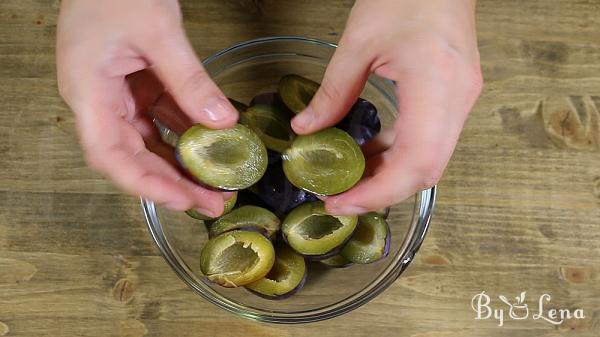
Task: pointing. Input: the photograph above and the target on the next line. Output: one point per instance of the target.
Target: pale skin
(113, 67)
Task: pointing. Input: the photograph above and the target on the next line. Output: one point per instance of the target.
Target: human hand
(430, 49)
(108, 53)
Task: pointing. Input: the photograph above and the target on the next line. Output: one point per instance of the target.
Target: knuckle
(445, 61)
(94, 162)
(428, 173)
(474, 82)
(158, 23)
(329, 93)
(430, 177)
(64, 89)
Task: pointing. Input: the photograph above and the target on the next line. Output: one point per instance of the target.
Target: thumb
(342, 83)
(174, 61)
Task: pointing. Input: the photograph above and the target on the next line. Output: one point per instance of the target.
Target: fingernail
(304, 119)
(206, 212)
(217, 109)
(348, 210)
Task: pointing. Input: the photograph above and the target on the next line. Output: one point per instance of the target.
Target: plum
(314, 233)
(337, 261)
(361, 122)
(237, 258)
(296, 91)
(370, 241)
(274, 157)
(278, 193)
(326, 162)
(227, 159)
(270, 124)
(229, 204)
(246, 217)
(272, 99)
(286, 277)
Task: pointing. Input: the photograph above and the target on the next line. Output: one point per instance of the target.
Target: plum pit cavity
(318, 226)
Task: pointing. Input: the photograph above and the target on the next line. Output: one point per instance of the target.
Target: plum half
(314, 233)
(370, 241)
(278, 193)
(227, 159)
(272, 99)
(296, 91)
(337, 261)
(361, 122)
(228, 206)
(270, 124)
(246, 217)
(286, 277)
(237, 258)
(325, 163)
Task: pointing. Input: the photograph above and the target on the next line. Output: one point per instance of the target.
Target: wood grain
(518, 208)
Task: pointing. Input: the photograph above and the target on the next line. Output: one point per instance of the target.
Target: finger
(427, 130)
(174, 61)
(380, 143)
(342, 83)
(152, 140)
(170, 115)
(116, 149)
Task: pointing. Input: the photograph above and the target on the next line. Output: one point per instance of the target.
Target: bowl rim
(424, 200)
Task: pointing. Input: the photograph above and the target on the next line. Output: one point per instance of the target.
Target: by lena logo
(519, 310)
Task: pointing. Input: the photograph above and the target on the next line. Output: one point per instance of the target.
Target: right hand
(114, 61)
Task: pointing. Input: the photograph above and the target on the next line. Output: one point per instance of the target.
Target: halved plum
(361, 122)
(278, 193)
(314, 233)
(246, 217)
(272, 99)
(296, 91)
(286, 277)
(370, 241)
(227, 159)
(228, 206)
(237, 258)
(270, 124)
(337, 261)
(325, 163)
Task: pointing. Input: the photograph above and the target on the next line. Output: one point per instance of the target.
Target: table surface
(518, 207)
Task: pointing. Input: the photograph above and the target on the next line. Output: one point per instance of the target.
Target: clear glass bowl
(243, 71)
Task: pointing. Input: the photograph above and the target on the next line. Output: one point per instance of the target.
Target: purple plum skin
(361, 122)
(275, 190)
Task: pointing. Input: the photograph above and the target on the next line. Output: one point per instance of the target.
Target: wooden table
(518, 208)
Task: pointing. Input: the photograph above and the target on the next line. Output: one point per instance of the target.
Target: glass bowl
(242, 72)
